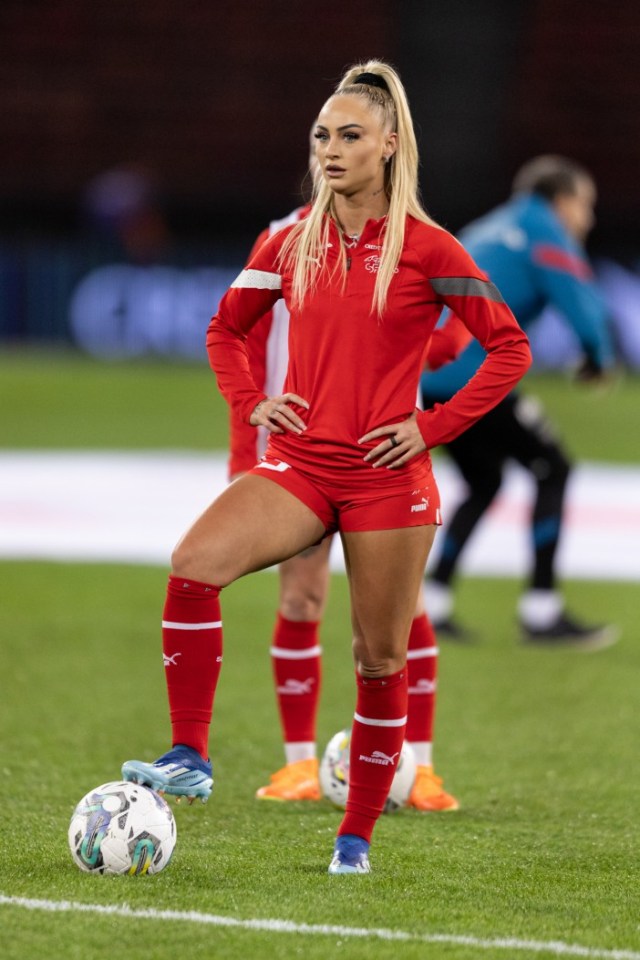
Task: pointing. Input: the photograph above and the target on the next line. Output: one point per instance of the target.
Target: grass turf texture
(540, 746)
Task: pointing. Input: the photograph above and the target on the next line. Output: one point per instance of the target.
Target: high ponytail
(305, 250)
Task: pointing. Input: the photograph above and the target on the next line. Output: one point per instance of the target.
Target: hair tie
(372, 80)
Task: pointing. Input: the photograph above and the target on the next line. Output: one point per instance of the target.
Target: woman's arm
(460, 285)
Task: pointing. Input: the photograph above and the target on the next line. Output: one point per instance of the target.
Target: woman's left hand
(401, 442)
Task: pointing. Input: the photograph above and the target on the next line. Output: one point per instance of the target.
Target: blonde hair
(305, 249)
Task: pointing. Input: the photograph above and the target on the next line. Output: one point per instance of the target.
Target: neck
(353, 212)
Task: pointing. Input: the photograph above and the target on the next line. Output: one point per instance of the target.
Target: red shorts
(394, 504)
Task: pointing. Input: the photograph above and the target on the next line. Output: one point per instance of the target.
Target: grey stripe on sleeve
(465, 287)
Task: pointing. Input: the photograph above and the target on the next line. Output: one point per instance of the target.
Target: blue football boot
(350, 855)
(181, 772)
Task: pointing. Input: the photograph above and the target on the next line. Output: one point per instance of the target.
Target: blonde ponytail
(305, 249)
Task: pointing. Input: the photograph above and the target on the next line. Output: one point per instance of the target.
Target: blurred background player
(532, 248)
(296, 654)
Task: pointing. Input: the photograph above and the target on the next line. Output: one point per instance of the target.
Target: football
(334, 773)
(122, 827)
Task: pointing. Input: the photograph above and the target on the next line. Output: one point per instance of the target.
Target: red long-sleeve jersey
(356, 369)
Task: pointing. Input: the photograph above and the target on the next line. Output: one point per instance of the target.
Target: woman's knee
(303, 598)
(183, 561)
(301, 606)
(192, 560)
(376, 661)
(304, 583)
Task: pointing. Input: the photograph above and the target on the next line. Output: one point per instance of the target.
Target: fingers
(380, 432)
(391, 452)
(283, 416)
(294, 398)
(399, 442)
(277, 416)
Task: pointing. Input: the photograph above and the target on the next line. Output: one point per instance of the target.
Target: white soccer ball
(122, 827)
(334, 773)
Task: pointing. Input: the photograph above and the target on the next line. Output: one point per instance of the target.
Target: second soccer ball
(334, 773)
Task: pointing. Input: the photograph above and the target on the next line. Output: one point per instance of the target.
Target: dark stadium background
(212, 102)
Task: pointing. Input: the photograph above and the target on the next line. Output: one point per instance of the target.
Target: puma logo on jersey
(419, 507)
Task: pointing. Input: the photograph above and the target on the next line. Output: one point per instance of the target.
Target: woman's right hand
(276, 414)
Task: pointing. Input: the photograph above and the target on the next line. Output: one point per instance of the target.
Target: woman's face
(351, 146)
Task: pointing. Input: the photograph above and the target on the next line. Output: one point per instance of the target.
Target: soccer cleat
(350, 855)
(427, 793)
(296, 781)
(181, 772)
(567, 632)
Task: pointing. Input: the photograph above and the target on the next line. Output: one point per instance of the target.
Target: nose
(332, 147)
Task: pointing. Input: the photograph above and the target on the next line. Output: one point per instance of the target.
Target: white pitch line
(555, 947)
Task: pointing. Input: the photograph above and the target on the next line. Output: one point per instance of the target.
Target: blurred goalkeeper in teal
(532, 249)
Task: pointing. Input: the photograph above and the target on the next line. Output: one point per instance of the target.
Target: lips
(333, 171)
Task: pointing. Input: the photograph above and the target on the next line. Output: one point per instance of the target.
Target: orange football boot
(296, 781)
(427, 793)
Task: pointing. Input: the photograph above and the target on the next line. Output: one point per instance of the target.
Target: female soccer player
(364, 277)
(296, 653)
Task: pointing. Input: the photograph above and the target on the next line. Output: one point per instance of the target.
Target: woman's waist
(337, 456)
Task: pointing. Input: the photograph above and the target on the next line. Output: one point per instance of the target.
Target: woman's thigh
(253, 524)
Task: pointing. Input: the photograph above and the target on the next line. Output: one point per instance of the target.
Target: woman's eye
(350, 137)
(320, 136)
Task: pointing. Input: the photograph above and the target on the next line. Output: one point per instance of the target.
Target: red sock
(295, 657)
(192, 654)
(376, 741)
(422, 665)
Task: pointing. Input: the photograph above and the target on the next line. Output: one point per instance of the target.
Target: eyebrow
(343, 127)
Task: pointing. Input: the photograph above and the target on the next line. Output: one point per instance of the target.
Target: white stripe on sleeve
(258, 280)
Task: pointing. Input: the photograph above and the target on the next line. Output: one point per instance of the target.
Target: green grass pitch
(540, 746)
